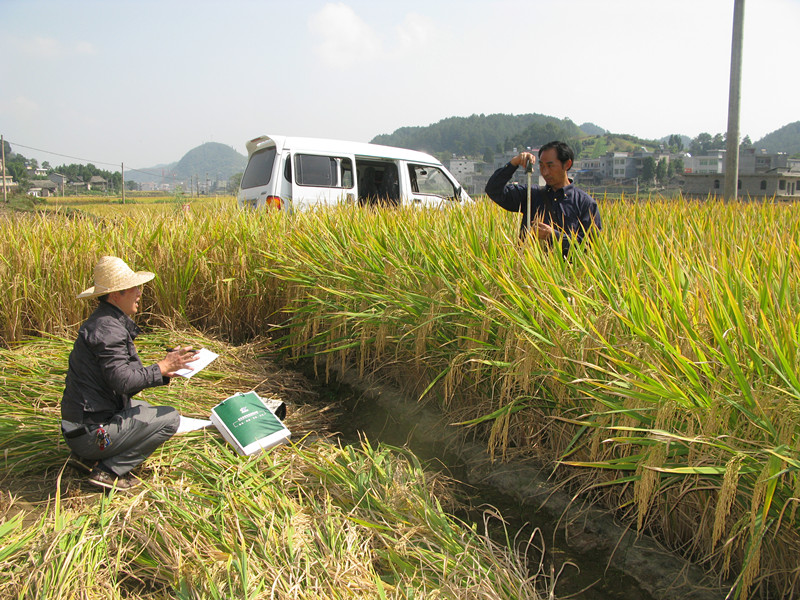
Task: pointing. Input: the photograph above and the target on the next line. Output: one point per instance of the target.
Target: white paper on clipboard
(203, 358)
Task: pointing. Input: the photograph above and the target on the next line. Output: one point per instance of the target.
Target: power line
(99, 162)
(94, 162)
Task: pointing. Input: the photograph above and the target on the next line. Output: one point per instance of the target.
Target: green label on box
(247, 418)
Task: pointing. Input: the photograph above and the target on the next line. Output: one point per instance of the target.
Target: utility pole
(3, 144)
(122, 168)
(734, 96)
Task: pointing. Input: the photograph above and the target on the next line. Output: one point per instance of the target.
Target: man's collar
(554, 191)
(117, 312)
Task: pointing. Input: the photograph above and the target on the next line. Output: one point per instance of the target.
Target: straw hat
(111, 274)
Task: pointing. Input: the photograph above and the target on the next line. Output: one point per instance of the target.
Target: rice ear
(727, 494)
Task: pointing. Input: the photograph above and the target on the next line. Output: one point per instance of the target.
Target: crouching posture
(108, 431)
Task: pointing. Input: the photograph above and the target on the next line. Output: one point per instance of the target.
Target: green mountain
(467, 136)
(546, 129)
(484, 135)
(592, 129)
(786, 139)
(212, 161)
(478, 134)
(598, 145)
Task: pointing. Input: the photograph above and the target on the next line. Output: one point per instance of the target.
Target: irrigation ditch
(590, 554)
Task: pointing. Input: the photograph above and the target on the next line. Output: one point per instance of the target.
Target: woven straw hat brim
(112, 275)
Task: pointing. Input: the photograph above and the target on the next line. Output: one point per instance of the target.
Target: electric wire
(94, 162)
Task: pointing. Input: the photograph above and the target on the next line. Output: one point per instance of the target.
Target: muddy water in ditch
(585, 575)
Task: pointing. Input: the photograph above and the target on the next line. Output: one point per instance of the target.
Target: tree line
(22, 170)
(481, 135)
(484, 136)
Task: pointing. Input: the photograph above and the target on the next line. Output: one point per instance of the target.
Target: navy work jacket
(569, 210)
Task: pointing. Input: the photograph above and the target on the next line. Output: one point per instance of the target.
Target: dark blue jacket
(569, 210)
(104, 368)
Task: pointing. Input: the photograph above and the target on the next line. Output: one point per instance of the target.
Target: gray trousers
(134, 434)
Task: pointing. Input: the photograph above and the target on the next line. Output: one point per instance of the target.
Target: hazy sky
(142, 82)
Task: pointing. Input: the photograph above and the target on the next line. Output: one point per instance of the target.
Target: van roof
(342, 146)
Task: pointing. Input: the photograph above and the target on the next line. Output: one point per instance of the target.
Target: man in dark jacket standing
(107, 431)
(560, 212)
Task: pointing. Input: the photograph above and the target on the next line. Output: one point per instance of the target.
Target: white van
(293, 173)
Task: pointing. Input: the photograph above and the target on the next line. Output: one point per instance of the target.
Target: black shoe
(82, 464)
(110, 481)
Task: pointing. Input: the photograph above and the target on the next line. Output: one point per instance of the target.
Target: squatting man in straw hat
(108, 432)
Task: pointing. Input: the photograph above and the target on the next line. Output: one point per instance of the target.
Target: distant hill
(546, 129)
(212, 160)
(786, 139)
(468, 136)
(485, 135)
(217, 161)
(597, 145)
(592, 129)
(155, 174)
(478, 135)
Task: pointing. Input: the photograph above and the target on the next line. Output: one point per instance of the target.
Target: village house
(60, 180)
(35, 172)
(42, 188)
(465, 171)
(614, 167)
(761, 175)
(97, 183)
(500, 160)
(6, 179)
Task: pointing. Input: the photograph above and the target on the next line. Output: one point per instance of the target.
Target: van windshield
(259, 169)
(426, 179)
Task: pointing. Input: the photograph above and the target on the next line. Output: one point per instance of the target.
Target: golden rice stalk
(757, 498)
(796, 496)
(498, 436)
(646, 489)
(727, 494)
(380, 340)
(751, 568)
(453, 378)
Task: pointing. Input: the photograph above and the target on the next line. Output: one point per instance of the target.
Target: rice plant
(312, 520)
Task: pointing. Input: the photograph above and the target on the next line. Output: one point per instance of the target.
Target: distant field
(109, 205)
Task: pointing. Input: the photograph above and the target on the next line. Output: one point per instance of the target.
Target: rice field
(657, 372)
(310, 520)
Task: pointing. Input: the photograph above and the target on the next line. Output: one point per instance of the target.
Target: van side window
(323, 171)
(347, 173)
(259, 168)
(430, 180)
(317, 171)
